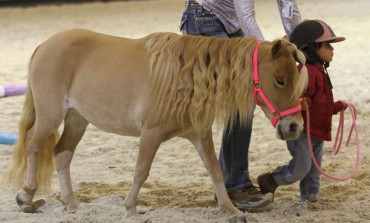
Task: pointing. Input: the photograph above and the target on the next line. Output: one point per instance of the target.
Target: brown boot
(266, 183)
(250, 198)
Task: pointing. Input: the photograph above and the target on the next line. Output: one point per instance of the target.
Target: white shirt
(240, 14)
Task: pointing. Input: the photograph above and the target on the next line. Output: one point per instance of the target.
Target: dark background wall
(37, 2)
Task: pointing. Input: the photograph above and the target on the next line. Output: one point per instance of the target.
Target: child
(313, 38)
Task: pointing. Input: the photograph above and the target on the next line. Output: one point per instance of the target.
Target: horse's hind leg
(25, 195)
(149, 143)
(205, 149)
(39, 143)
(74, 128)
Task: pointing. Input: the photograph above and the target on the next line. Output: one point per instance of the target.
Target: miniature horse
(157, 87)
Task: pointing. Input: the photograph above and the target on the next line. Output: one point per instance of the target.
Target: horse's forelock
(295, 55)
(303, 76)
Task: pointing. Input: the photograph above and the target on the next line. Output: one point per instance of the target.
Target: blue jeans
(235, 142)
(200, 22)
(301, 167)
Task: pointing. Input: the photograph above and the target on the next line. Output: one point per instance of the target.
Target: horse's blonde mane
(200, 79)
(193, 80)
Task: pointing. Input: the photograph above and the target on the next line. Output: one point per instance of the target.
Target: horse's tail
(45, 155)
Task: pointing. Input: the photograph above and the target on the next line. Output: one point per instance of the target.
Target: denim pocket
(205, 24)
(210, 25)
(201, 22)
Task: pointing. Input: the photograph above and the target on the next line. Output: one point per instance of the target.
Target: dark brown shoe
(266, 183)
(250, 198)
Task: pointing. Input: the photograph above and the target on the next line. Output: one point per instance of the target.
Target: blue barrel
(8, 138)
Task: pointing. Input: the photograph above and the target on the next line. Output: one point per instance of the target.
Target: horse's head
(279, 86)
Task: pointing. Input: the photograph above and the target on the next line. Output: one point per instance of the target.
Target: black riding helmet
(312, 31)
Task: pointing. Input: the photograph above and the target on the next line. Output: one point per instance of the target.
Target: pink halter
(258, 90)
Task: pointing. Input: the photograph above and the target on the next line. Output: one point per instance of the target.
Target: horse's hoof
(29, 207)
(238, 219)
(71, 208)
(131, 214)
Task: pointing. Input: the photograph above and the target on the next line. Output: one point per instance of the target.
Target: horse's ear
(275, 50)
(285, 37)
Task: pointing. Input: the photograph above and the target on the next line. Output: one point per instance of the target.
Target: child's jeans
(301, 167)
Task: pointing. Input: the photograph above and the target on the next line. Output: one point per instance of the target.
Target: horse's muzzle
(288, 131)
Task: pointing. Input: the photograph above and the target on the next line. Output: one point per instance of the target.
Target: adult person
(228, 19)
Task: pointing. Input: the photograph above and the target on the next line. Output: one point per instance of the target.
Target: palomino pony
(156, 88)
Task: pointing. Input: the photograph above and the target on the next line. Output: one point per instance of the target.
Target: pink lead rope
(337, 145)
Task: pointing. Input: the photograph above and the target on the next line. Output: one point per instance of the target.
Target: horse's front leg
(149, 143)
(206, 151)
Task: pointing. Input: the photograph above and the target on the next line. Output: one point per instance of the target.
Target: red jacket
(321, 103)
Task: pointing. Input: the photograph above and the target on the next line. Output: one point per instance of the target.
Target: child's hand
(344, 104)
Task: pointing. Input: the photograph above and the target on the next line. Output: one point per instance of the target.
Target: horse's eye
(280, 81)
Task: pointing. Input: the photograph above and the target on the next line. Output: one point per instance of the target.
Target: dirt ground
(178, 188)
